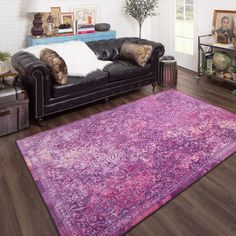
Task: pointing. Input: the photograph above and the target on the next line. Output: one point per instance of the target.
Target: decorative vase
(37, 29)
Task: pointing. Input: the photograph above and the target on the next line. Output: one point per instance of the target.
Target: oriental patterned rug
(104, 174)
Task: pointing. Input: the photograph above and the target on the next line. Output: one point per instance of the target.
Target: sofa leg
(154, 86)
(41, 122)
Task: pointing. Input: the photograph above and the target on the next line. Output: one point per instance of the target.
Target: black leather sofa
(46, 97)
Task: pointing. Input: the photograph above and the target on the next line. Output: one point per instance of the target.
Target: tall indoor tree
(140, 10)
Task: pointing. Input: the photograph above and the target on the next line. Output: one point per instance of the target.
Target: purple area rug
(104, 174)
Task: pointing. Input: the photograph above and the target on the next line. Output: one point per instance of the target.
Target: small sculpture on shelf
(50, 25)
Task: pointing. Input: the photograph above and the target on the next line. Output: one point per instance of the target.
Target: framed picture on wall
(86, 14)
(224, 25)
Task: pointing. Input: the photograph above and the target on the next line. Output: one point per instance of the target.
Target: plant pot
(10, 79)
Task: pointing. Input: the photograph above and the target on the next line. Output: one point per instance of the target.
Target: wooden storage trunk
(14, 113)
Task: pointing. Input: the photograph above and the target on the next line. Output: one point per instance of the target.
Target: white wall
(162, 25)
(112, 12)
(15, 24)
(207, 7)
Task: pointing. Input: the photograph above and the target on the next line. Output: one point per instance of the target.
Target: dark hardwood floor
(206, 208)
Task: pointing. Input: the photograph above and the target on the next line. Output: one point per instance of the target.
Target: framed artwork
(55, 12)
(224, 25)
(86, 14)
(67, 18)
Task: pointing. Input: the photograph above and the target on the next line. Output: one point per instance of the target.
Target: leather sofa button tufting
(104, 55)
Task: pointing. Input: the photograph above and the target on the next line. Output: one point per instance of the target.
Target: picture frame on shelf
(86, 14)
(55, 12)
(67, 18)
(224, 23)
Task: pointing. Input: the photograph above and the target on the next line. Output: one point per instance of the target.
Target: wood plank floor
(206, 208)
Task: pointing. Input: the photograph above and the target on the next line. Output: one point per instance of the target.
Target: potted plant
(4, 62)
(140, 10)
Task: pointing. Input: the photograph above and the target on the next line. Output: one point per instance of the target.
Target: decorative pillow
(140, 53)
(56, 64)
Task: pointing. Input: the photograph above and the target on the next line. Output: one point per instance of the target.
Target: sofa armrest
(36, 79)
(26, 64)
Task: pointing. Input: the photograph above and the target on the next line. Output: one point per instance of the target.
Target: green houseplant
(4, 62)
(140, 10)
(4, 56)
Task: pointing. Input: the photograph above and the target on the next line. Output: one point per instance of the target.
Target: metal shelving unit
(209, 46)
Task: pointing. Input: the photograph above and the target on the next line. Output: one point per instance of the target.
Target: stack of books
(64, 32)
(86, 29)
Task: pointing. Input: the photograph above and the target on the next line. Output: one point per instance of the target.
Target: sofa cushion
(139, 53)
(56, 64)
(120, 70)
(76, 84)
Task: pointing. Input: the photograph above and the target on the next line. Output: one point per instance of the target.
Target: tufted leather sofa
(47, 97)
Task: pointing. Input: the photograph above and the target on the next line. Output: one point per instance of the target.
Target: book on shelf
(63, 31)
(86, 32)
(85, 26)
(65, 34)
(86, 29)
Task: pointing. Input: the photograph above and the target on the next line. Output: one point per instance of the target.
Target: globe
(221, 61)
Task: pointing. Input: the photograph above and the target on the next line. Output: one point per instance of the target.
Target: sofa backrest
(107, 49)
(110, 49)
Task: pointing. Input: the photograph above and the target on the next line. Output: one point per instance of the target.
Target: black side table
(168, 72)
